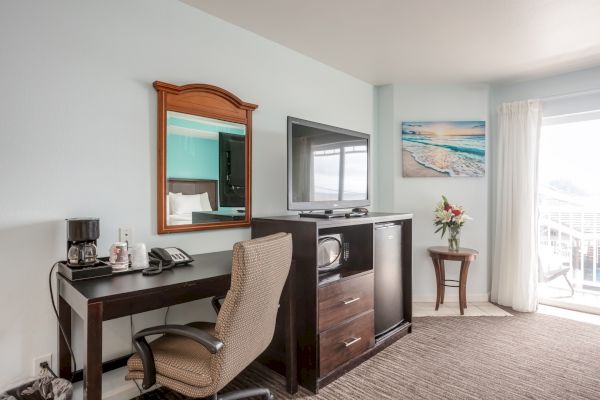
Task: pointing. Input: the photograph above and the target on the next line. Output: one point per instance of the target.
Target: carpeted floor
(528, 356)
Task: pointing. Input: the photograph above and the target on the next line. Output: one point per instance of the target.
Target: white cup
(139, 256)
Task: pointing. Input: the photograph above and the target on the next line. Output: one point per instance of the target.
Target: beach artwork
(449, 148)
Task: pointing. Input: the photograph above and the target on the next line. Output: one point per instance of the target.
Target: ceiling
(389, 41)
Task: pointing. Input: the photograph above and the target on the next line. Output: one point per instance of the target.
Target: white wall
(78, 133)
(406, 102)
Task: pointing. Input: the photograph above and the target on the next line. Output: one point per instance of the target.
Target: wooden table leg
(436, 267)
(462, 290)
(92, 368)
(442, 281)
(291, 373)
(64, 357)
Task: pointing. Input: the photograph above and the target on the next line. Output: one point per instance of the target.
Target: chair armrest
(211, 343)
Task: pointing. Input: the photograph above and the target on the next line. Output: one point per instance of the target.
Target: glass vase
(454, 238)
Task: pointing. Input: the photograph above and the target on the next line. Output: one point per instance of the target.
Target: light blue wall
(207, 126)
(395, 193)
(192, 157)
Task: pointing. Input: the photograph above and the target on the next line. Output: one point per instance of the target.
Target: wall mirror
(204, 158)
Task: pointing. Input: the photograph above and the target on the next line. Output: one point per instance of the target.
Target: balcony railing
(570, 236)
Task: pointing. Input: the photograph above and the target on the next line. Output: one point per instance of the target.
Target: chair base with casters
(244, 394)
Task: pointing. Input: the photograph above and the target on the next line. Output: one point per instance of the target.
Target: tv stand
(326, 214)
(334, 309)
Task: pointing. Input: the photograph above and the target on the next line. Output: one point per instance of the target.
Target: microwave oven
(332, 252)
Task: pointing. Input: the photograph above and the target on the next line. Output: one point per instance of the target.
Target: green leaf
(438, 229)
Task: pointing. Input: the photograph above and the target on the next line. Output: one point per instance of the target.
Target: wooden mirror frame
(204, 101)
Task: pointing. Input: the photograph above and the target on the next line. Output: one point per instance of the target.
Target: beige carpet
(474, 309)
(527, 356)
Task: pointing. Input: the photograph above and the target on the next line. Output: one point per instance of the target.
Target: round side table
(438, 255)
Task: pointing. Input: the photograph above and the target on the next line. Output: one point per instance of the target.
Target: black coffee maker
(82, 234)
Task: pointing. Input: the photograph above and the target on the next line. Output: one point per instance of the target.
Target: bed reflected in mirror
(205, 170)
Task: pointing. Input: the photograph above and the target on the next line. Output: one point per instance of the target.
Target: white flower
(446, 216)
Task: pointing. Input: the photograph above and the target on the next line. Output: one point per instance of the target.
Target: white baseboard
(451, 298)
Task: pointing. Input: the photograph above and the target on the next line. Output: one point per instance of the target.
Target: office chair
(199, 359)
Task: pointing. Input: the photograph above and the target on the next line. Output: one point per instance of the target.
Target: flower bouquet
(450, 217)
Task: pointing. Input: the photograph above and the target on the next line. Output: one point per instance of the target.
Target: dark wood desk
(103, 299)
(199, 217)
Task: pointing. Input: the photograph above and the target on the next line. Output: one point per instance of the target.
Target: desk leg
(291, 373)
(92, 369)
(64, 357)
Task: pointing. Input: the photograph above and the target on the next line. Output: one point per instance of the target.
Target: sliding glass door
(569, 212)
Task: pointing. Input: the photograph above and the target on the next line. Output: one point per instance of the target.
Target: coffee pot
(82, 234)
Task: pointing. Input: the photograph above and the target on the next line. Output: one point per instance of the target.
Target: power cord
(47, 368)
(167, 314)
(60, 327)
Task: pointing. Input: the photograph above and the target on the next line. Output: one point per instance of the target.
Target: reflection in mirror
(205, 170)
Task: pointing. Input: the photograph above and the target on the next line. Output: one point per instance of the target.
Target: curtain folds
(514, 241)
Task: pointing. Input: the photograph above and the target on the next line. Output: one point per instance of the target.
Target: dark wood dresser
(335, 312)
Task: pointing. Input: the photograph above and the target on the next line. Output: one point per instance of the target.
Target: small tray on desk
(98, 270)
(101, 269)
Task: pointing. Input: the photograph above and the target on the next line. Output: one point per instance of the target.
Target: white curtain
(514, 263)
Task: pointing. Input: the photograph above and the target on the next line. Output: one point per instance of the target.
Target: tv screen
(328, 167)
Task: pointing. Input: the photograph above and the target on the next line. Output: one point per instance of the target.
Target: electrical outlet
(126, 234)
(37, 369)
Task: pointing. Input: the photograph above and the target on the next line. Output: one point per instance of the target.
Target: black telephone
(166, 258)
(171, 256)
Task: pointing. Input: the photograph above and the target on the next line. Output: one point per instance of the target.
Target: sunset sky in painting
(448, 128)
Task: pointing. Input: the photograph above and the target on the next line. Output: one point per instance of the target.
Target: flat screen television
(328, 167)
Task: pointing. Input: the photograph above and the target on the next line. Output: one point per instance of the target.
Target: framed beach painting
(444, 148)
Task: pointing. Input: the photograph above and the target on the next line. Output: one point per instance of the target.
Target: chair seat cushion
(179, 358)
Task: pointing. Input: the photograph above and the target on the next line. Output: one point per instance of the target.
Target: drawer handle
(351, 341)
(350, 301)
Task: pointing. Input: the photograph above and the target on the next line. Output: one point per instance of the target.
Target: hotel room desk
(199, 217)
(102, 299)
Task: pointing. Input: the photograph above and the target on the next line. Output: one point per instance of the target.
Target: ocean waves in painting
(452, 155)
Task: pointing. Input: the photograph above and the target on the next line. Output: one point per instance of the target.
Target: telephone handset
(171, 256)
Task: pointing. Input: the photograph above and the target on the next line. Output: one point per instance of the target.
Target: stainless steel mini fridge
(389, 307)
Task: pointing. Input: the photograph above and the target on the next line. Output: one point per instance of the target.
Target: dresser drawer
(345, 342)
(342, 300)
